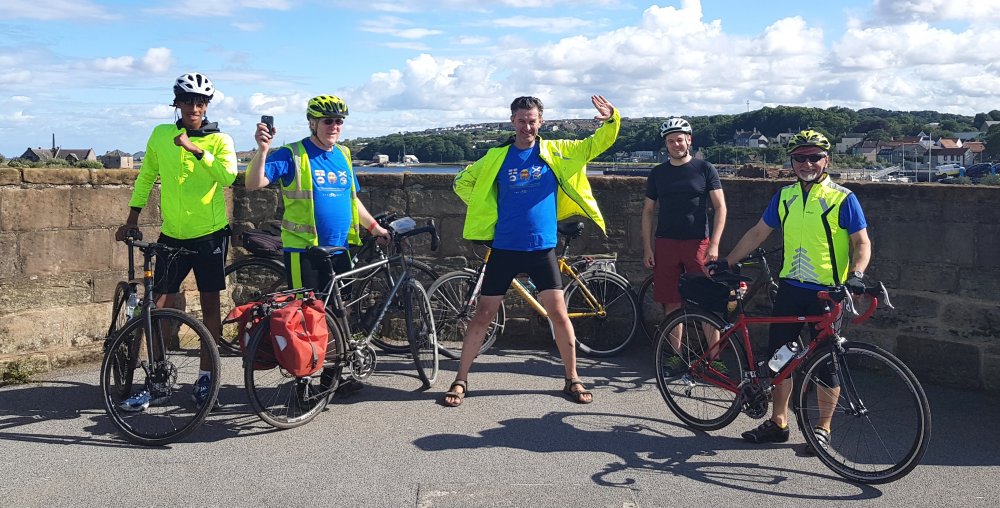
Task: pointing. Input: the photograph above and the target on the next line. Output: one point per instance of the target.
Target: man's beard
(681, 156)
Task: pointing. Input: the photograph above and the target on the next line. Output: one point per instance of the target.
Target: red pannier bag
(299, 336)
(247, 318)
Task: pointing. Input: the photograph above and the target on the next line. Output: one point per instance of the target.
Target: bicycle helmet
(194, 83)
(808, 137)
(674, 125)
(326, 106)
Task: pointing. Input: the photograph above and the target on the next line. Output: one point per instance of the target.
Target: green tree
(992, 140)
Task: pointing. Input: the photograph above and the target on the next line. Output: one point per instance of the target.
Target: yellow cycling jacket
(476, 184)
(192, 200)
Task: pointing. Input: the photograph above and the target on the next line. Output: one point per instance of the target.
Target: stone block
(981, 283)
(119, 251)
(33, 330)
(910, 307)
(55, 252)
(104, 284)
(910, 243)
(987, 244)
(45, 291)
(972, 321)
(85, 324)
(9, 263)
(10, 176)
(34, 209)
(151, 215)
(113, 176)
(97, 207)
(940, 361)
(932, 278)
(57, 176)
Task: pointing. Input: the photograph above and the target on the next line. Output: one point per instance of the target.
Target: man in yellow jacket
(515, 195)
(194, 162)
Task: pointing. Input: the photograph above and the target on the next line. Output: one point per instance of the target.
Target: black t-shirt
(682, 192)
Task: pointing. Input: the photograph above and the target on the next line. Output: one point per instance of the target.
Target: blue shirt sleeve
(771, 217)
(279, 165)
(852, 218)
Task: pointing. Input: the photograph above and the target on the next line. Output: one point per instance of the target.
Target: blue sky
(98, 73)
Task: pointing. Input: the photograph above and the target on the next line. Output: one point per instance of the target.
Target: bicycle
(651, 311)
(168, 346)
(287, 401)
(600, 303)
(881, 419)
(262, 272)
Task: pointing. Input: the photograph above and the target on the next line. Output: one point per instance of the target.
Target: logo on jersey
(342, 175)
(320, 176)
(525, 175)
(536, 172)
(512, 175)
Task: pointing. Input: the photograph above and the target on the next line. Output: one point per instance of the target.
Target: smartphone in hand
(268, 120)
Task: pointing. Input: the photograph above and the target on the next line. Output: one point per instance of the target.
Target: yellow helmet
(326, 105)
(808, 137)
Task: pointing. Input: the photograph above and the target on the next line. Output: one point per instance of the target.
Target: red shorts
(674, 257)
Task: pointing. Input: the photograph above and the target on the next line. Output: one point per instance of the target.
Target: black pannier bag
(262, 243)
(704, 292)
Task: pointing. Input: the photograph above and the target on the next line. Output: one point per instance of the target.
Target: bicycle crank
(363, 362)
(753, 400)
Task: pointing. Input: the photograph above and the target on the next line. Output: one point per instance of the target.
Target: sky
(98, 74)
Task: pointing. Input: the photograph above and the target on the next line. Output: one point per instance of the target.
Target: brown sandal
(577, 396)
(452, 393)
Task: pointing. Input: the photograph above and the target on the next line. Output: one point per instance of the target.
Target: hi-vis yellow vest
(817, 249)
(298, 224)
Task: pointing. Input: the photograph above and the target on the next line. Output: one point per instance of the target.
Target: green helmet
(326, 105)
(808, 137)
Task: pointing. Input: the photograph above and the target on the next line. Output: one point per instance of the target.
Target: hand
(263, 137)
(648, 260)
(184, 142)
(855, 285)
(128, 230)
(714, 267)
(604, 108)
(381, 234)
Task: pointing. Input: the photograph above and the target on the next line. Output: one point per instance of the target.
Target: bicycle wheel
(420, 331)
(452, 313)
(609, 334)
(123, 353)
(247, 280)
(280, 398)
(179, 340)
(691, 383)
(880, 421)
(650, 310)
(367, 295)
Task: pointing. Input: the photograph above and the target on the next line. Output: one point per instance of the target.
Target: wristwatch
(858, 275)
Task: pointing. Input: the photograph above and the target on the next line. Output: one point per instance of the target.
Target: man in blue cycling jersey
(319, 193)
(515, 195)
(826, 245)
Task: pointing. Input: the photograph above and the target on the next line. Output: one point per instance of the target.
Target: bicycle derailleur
(754, 400)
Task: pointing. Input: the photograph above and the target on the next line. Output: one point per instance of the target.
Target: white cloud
(12, 77)
(550, 25)
(218, 8)
(48, 10)
(156, 60)
(16, 117)
(22, 99)
(932, 11)
(247, 27)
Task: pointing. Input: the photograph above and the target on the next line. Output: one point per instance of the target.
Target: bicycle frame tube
(597, 309)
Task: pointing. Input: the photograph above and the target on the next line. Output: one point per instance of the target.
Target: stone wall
(934, 247)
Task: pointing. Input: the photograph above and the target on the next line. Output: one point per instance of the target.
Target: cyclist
(319, 192)
(515, 195)
(826, 245)
(194, 162)
(683, 187)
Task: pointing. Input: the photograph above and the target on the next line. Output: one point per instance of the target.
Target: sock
(205, 373)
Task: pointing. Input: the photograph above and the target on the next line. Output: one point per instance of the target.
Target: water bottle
(131, 305)
(782, 356)
(530, 286)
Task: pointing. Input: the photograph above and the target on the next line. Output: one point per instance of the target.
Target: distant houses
(117, 159)
(70, 155)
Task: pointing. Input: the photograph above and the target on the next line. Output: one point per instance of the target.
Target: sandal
(452, 393)
(578, 396)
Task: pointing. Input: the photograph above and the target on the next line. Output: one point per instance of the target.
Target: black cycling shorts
(209, 264)
(503, 265)
(302, 271)
(796, 301)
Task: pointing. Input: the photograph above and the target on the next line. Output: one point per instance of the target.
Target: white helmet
(194, 82)
(674, 125)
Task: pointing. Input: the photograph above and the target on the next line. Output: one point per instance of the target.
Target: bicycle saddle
(321, 253)
(570, 229)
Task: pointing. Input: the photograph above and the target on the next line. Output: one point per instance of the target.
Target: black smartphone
(268, 120)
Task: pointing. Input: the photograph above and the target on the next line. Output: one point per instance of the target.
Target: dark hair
(526, 102)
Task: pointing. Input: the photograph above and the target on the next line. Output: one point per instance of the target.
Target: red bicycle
(876, 410)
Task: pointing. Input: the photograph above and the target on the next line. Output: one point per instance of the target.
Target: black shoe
(767, 432)
(349, 386)
(822, 437)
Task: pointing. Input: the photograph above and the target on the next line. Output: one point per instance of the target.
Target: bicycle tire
(650, 310)
(393, 339)
(452, 313)
(880, 435)
(608, 335)
(123, 353)
(281, 399)
(183, 339)
(247, 280)
(687, 388)
(420, 332)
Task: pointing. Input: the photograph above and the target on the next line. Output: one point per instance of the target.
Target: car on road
(977, 171)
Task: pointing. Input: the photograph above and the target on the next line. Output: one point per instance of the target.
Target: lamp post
(930, 147)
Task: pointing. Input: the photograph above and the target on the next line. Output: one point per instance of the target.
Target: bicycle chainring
(363, 362)
(754, 400)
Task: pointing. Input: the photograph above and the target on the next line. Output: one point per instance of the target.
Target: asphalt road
(515, 442)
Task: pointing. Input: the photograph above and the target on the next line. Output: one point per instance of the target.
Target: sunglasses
(332, 121)
(191, 101)
(816, 157)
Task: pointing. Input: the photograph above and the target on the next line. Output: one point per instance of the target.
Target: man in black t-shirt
(682, 186)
